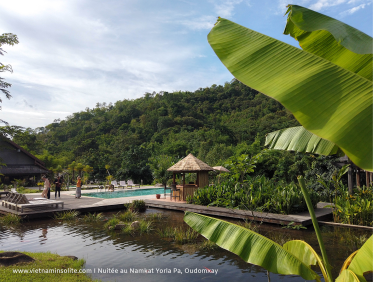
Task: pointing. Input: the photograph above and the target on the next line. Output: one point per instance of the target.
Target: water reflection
(43, 236)
(103, 249)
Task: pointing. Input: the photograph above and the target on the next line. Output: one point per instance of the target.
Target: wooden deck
(83, 205)
(89, 204)
(298, 219)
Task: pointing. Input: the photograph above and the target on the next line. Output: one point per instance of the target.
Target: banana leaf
(306, 254)
(347, 276)
(345, 35)
(322, 43)
(328, 100)
(363, 260)
(250, 246)
(348, 261)
(300, 140)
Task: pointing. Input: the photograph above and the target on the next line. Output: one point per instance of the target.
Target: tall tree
(9, 39)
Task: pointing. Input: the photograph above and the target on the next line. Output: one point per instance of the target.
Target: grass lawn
(46, 262)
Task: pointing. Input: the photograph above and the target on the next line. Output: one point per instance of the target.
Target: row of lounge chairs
(18, 202)
(123, 184)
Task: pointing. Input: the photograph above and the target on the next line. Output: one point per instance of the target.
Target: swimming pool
(127, 193)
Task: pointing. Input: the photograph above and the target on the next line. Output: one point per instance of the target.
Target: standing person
(78, 193)
(47, 186)
(58, 183)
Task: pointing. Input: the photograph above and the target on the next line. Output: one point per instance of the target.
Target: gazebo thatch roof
(220, 168)
(190, 164)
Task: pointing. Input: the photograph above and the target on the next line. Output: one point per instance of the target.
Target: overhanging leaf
(301, 140)
(363, 260)
(329, 101)
(347, 262)
(347, 276)
(250, 246)
(311, 30)
(347, 36)
(306, 254)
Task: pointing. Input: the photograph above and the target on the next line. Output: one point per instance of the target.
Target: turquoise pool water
(127, 193)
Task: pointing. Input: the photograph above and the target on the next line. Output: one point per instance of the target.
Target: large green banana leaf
(363, 260)
(328, 100)
(347, 276)
(305, 253)
(322, 43)
(344, 35)
(301, 140)
(250, 246)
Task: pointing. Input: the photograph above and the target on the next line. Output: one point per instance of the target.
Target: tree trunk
(350, 181)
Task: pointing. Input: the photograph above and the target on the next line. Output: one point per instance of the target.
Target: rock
(111, 227)
(135, 224)
(10, 258)
(72, 257)
(120, 226)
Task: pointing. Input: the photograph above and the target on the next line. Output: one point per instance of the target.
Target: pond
(107, 251)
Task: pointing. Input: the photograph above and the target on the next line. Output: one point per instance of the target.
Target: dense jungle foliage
(213, 123)
(221, 125)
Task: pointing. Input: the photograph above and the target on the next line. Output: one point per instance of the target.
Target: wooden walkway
(303, 218)
(89, 204)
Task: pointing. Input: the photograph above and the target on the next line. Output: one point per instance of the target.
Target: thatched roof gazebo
(190, 164)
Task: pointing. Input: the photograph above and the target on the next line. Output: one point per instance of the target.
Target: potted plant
(158, 196)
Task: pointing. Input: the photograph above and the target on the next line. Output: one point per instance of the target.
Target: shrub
(67, 215)
(128, 215)
(10, 219)
(183, 236)
(208, 245)
(145, 226)
(256, 194)
(92, 217)
(136, 206)
(112, 222)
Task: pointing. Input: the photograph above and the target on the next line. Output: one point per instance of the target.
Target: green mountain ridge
(212, 123)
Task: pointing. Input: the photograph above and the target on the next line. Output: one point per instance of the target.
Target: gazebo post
(197, 180)
(173, 181)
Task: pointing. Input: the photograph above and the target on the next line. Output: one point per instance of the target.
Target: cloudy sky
(75, 53)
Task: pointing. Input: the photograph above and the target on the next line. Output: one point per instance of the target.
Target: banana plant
(293, 258)
(301, 140)
(327, 85)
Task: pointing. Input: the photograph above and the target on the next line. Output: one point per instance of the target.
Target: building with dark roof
(17, 163)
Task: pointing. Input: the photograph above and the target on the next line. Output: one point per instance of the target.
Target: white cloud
(282, 5)
(320, 4)
(354, 9)
(200, 23)
(225, 8)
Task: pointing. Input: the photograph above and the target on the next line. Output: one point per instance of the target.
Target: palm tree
(72, 167)
(79, 167)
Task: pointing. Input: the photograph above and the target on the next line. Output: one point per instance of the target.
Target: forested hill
(213, 123)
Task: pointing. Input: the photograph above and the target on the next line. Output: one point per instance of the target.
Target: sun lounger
(116, 185)
(121, 184)
(19, 202)
(6, 193)
(124, 185)
(130, 183)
